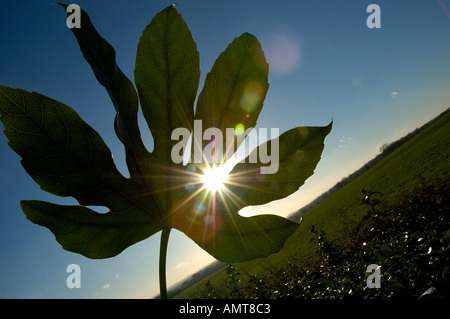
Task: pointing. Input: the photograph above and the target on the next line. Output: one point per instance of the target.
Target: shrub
(410, 239)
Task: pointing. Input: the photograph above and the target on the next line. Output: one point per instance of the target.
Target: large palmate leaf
(167, 74)
(66, 157)
(229, 236)
(101, 56)
(299, 150)
(235, 89)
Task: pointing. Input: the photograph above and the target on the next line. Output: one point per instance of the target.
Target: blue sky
(325, 63)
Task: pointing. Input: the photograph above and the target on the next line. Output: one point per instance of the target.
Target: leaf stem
(162, 262)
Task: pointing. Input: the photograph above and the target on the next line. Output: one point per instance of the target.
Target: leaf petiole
(165, 233)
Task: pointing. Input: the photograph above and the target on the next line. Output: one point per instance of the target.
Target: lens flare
(282, 51)
(252, 97)
(239, 129)
(214, 178)
(200, 208)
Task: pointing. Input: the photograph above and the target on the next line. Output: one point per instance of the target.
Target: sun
(214, 178)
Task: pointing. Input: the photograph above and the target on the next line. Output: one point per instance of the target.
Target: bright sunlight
(214, 178)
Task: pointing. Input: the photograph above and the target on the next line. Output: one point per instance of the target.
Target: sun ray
(233, 198)
(214, 178)
(188, 199)
(211, 192)
(230, 213)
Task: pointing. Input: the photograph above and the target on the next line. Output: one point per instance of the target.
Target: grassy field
(423, 157)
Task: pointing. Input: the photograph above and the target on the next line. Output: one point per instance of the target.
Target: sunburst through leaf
(67, 157)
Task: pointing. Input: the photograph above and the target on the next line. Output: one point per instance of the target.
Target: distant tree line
(193, 279)
(385, 150)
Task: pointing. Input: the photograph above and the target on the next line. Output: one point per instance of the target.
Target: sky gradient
(325, 64)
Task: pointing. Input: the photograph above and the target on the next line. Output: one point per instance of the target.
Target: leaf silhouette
(234, 89)
(67, 157)
(101, 56)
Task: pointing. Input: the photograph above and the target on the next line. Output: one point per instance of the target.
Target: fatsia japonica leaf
(81, 230)
(234, 89)
(299, 151)
(101, 56)
(167, 73)
(229, 236)
(237, 79)
(67, 157)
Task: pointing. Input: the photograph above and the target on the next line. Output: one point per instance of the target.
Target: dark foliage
(410, 240)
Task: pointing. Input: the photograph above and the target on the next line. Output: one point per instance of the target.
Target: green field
(423, 157)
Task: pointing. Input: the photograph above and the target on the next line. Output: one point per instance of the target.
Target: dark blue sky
(376, 84)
